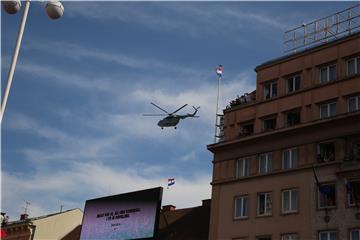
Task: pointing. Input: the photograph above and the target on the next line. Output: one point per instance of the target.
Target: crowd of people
(327, 157)
(246, 98)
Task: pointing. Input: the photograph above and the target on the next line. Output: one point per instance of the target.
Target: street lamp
(54, 10)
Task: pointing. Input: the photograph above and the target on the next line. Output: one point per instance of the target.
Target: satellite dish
(12, 7)
(54, 9)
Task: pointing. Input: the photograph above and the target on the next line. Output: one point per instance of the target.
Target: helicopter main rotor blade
(154, 115)
(179, 109)
(159, 107)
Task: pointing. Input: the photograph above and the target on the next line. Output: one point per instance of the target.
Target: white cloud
(260, 20)
(191, 156)
(77, 52)
(65, 77)
(195, 19)
(113, 129)
(90, 180)
(25, 123)
(136, 125)
(61, 144)
(203, 96)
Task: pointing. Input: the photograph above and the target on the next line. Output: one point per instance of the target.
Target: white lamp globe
(54, 9)
(12, 6)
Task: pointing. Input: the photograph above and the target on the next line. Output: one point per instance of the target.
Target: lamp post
(54, 9)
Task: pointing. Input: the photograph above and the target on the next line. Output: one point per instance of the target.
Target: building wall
(306, 222)
(255, 225)
(57, 226)
(343, 130)
(18, 232)
(306, 138)
(307, 64)
(311, 93)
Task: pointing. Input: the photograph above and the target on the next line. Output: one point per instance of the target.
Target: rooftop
(40, 217)
(307, 51)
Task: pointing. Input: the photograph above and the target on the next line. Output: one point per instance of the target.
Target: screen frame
(156, 191)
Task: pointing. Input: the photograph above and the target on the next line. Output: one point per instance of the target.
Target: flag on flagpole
(171, 181)
(316, 178)
(348, 186)
(219, 70)
(326, 190)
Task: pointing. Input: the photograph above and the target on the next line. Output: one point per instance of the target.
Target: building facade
(187, 223)
(288, 165)
(62, 225)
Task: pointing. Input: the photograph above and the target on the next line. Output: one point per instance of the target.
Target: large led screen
(125, 216)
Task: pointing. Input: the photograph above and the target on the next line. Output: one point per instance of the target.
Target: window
(270, 90)
(264, 204)
(326, 152)
(241, 207)
(290, 158)
(327, 73)
(291, 236)
(269, 124)
(290, 201)
(355, 234)
(353, 103)
(326, 195)
(242, 167)
(353, 192)
(246, 129)
(265, 163)
(327, 235)
(293, 83)
(263, 238)
(355, 152)
(353, 66)
(292, 118)
(328, 110)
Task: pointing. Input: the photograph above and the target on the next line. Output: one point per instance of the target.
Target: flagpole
(219, 71)
(217, 107)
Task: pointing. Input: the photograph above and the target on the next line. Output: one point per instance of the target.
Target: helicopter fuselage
(170, 121)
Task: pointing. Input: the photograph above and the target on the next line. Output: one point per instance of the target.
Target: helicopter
(172, 119)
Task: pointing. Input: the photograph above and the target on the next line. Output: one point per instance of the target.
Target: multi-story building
(62, 225)
(288, 165)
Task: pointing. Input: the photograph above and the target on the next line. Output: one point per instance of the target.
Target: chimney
(24, 216)
(206, 203)
(168, 208)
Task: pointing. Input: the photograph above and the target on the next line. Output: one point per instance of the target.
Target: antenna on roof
(323, 30)
(26, 207)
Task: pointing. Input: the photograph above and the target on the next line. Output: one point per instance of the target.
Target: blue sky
(73, 128)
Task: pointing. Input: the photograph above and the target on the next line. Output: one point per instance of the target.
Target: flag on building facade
(348, 186)
(3, 233)
(323, 189)
(353, 191)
